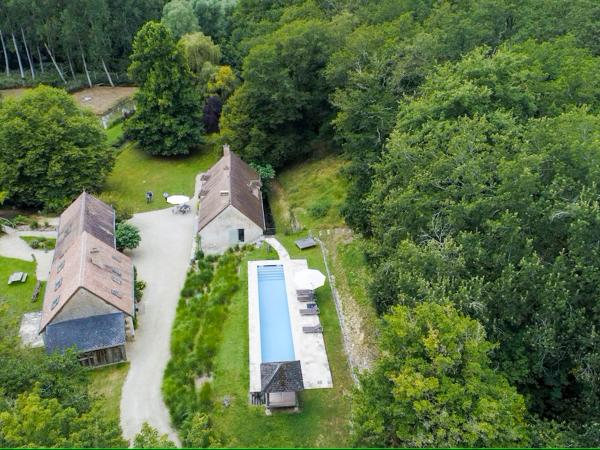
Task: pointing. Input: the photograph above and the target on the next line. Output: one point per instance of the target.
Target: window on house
(116, 293)
(241, 234)
(116, 258)
(116, 280)
(54, 303)
(58, 283)
(60, 266)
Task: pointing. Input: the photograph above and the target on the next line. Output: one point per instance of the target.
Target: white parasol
(177, 199)
(309, 279)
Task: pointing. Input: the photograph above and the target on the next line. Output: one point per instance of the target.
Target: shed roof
(231, 182)
(283, 376)
(88, 214)
(95, 266)
(87, 334)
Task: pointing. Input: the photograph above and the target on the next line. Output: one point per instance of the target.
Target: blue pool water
(275, 330)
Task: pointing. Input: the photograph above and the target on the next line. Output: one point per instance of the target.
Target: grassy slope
(17, 297)
(324, 416)
(136, 172)
(113, 134)
(302, 186)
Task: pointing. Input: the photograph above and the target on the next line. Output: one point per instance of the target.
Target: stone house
(231, 205)
(89, 299)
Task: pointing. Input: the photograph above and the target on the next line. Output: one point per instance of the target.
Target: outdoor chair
(309, 311)
(313, 329)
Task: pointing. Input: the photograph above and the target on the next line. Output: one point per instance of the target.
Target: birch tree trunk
(5, 54)
(55, 65)
(87, 73)
(40, 58)
(107, 73)
(28, 55)
(71, 65)
(18, 55)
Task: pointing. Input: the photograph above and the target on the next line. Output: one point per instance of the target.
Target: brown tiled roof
(88, 214)
(90, 264)
(230, 182)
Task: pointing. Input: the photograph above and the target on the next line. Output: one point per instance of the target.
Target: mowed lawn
(136, 172)
(15, 299)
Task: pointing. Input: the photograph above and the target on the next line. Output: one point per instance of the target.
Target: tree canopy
(50, 149)
(168, 117)
(435, 387)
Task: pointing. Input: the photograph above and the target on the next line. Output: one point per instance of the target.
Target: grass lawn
(309, 194)
(136, 172)
(15, 299)
(106, 383)
(114, 133)
(324, 416)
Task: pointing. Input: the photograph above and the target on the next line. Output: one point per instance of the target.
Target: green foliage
(434, 386)
(265, 172)
(41, 243)
(286, 69)
(168, 117)
(202, 56)
(43, 422)
(50, 150)
(196, 335)
(179, 17)
(148, 437)
(320, 208)
(127, 236)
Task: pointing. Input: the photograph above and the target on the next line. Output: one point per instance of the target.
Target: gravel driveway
(162, 260)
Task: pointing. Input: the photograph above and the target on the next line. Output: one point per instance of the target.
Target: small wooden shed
(280, 383)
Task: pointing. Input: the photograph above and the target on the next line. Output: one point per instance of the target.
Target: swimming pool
(275, 330)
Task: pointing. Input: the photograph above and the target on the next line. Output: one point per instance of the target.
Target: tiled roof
(283, 376)
(88, 214)
(231, 182)
(88, 334)
(95, 266)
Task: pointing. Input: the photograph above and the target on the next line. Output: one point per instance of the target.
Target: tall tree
(168, 119)
(179, 17)
(50, 149)
(434, 386)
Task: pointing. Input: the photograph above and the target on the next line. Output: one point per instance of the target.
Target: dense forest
(472, 129)
(473, 132)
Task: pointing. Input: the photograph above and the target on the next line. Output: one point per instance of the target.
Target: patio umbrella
(177, 199)
(309, 279)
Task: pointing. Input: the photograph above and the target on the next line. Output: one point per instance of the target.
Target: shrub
(319, 209)
(127, 236)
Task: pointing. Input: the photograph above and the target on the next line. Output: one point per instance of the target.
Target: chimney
(255, 186)
(226, 150)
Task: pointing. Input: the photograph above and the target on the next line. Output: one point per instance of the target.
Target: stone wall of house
(222, 232)
(84, 304)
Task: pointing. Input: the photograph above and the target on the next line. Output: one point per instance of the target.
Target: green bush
(319, 209)
(196, 336)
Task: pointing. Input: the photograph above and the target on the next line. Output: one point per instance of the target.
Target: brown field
(99, 99)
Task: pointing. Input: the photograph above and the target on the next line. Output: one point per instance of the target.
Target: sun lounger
(309, 312)
(17, 276)
(304, 291)
(306, 298)
(313, 329)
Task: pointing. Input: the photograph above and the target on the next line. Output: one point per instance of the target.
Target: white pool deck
(309, 348)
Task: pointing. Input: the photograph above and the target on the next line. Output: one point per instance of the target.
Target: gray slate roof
(231, 182)
(283, 376)
(88, 334)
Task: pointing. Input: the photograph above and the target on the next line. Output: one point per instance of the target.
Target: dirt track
(99, 99)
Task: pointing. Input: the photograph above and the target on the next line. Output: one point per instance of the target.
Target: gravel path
(12, 246)
(162, 260)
